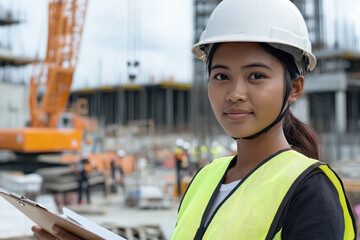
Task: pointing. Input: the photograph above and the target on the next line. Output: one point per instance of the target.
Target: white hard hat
(276, 22)
(85, 155)
(186, 145)
(121, 153)
(179, 142)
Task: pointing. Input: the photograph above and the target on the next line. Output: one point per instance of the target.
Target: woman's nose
(237, 92)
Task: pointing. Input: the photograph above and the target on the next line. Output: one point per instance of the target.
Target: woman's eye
(221, 76)
(256, 76)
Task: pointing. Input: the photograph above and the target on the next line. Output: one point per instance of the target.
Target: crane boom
(66, 22)
(54, 74)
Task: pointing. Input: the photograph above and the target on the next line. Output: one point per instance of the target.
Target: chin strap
(282, 113)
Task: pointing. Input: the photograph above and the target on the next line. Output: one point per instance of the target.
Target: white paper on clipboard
(88, 224)
(69, 220)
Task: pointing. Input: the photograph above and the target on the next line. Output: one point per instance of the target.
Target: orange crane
(54, 74)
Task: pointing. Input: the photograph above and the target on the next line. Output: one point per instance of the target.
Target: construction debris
(142, 232)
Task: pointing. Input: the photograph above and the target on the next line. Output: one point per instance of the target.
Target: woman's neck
(252, 152)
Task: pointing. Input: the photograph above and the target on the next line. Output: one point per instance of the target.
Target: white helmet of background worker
(276, 22)
(179, 142)
(121, 153)
(186, 146)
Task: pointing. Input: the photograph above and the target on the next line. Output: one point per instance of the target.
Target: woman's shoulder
(315, 206)
(317, 185)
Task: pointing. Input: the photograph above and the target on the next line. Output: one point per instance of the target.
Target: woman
(257, 54)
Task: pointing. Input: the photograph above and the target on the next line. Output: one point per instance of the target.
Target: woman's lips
(237, 116)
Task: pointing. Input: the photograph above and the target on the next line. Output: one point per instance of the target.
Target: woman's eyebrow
(254, 65)
(219, 66)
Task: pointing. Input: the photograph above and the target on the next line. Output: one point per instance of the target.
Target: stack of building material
(20, 183)
(64, 179)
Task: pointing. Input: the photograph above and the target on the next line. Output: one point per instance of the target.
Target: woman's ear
(297, 86)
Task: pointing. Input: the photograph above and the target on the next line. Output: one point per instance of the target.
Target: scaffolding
(12, 66)
(312, 11)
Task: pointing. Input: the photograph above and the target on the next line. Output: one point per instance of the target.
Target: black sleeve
(314, 212)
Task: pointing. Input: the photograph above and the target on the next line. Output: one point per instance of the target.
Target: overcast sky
(164, 33)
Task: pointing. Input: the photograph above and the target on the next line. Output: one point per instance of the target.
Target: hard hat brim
(200, 54)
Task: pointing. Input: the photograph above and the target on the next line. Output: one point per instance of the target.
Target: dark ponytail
(300, 136)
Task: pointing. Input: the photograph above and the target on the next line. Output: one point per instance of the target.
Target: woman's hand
(57, 234)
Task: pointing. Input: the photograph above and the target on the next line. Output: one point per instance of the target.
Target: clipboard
(46, 219)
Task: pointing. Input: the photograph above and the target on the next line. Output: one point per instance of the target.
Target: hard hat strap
(283, 111)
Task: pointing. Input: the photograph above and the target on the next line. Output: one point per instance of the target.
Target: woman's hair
(299, 135)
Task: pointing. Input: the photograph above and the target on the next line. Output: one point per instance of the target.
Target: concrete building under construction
(166, 105)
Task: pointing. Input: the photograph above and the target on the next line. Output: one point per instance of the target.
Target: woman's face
(246, 88)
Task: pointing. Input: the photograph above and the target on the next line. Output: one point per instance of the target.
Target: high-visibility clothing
(178, 152)
(252, 209)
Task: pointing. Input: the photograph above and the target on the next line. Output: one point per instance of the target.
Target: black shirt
(314, 211)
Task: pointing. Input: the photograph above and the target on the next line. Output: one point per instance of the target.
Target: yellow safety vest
(249, 210)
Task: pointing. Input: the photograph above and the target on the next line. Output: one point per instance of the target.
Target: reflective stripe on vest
(250, 209)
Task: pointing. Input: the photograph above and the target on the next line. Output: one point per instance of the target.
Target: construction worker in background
(83, 170)
(217, 151)
(186, 159)
(195, 156)
(257, 53)
(181, 163)
(117, 172)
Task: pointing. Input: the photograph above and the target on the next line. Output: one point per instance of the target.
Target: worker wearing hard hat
(181, 162)
(217, 150)
(117, 172)
(83, 170)
(257, 53)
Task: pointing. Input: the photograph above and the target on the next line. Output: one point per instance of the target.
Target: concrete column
(169, 107)
(300, 109)
(143, 105)
(180, 107)
(340, 111)
(131, 105)
(122, 106)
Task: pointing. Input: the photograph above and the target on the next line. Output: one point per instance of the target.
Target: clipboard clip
(23, 200)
